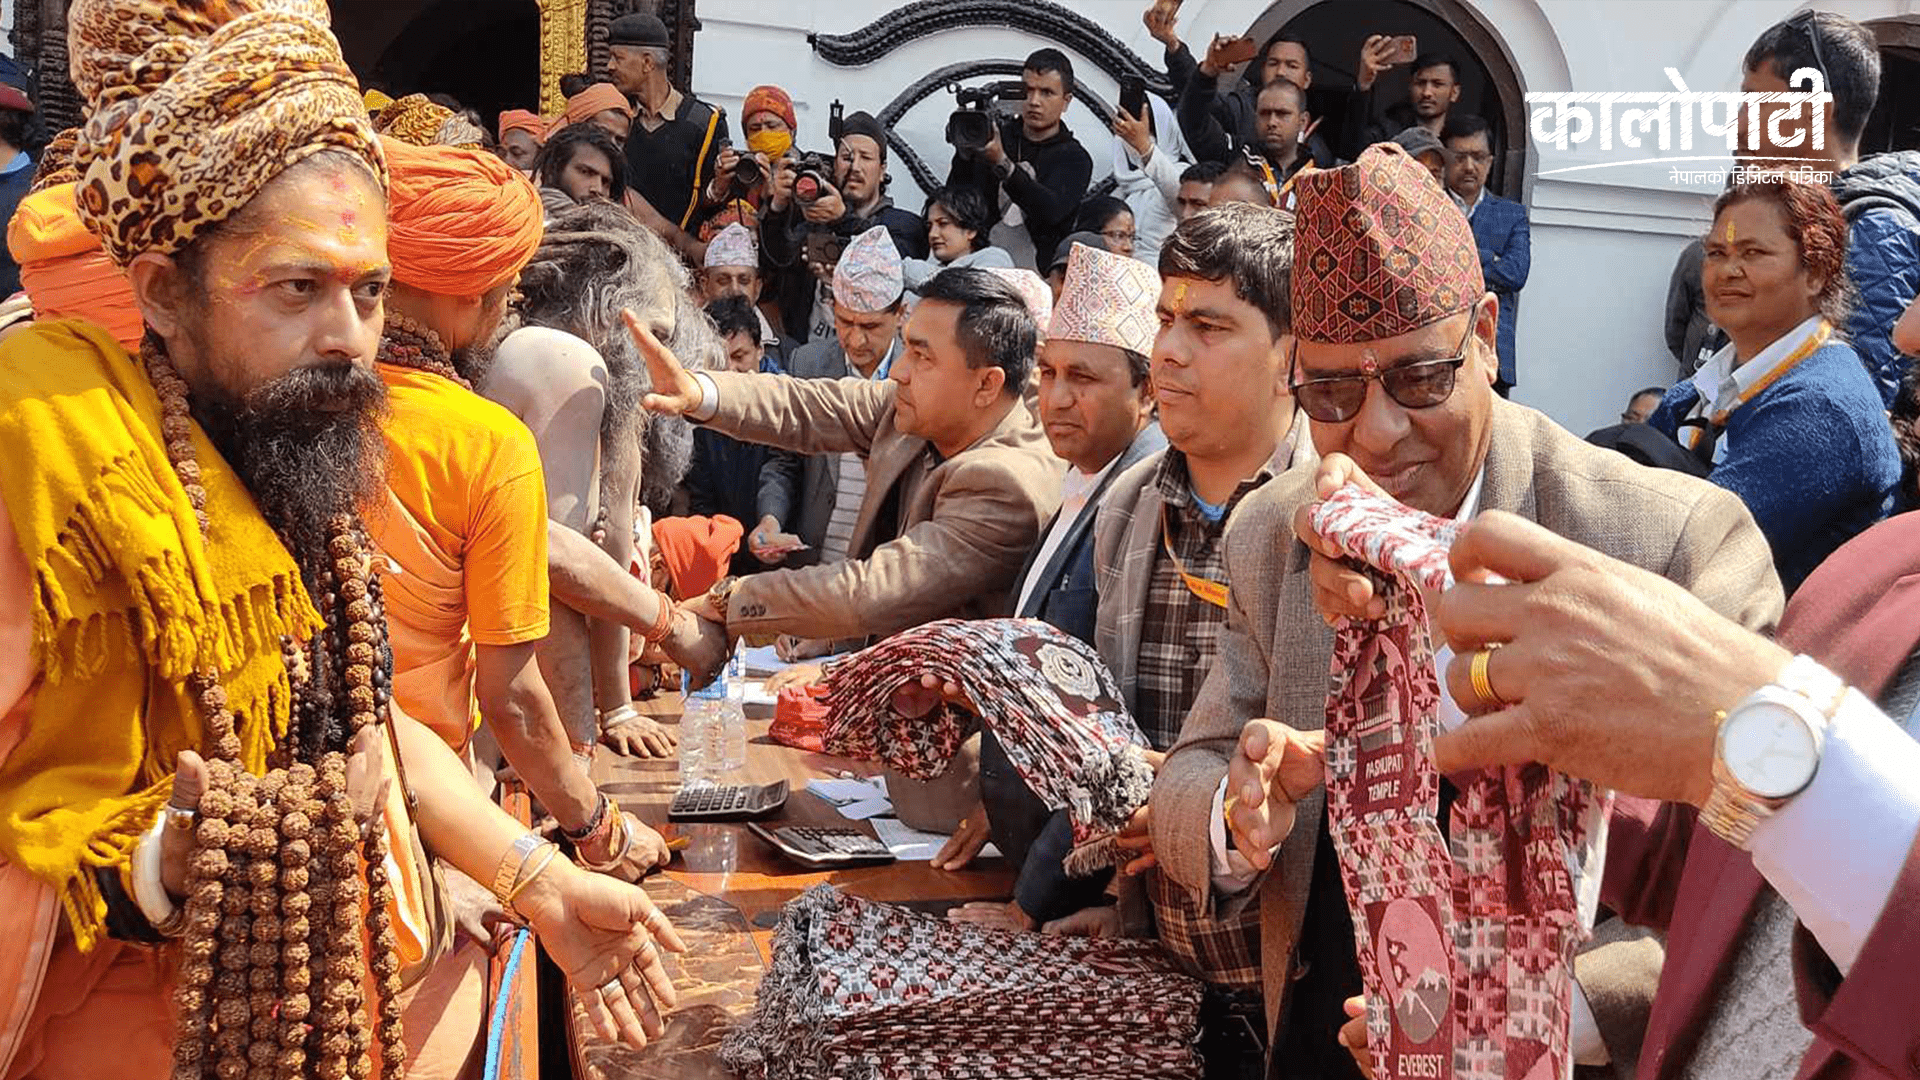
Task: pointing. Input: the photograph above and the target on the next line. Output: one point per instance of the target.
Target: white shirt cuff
(1231, 871)
(709, 399)
(1835, 851)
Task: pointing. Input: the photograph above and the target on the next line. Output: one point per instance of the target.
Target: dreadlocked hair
(271, 983)
(595, 260)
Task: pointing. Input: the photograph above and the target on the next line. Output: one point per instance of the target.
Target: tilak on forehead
(170, 150)
(1379, 251)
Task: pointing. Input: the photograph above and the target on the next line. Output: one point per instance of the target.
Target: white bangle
(149, 891)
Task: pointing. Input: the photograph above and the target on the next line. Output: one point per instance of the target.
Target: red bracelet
(662, 626)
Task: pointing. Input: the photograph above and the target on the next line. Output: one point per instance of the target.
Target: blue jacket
(1881, 198)
(1812, 456)
(1506, 255)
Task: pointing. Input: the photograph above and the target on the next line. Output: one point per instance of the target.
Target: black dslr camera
(971, 126)
(812, 177)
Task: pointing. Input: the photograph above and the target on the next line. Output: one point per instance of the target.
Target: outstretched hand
(1611, 673)
(675, 391)
(606, 936)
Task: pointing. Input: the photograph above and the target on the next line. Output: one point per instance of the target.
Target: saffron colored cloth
(65, 272)
(522, 120)
(459, 222)
(1045, 694)
(128, 601)
(697, 550)
(770, 99)
(466, 522)
(863, 989)
(590, 103)
(1466, 941)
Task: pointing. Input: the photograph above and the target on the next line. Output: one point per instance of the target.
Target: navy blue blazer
(1065, 595)
(1506, 255)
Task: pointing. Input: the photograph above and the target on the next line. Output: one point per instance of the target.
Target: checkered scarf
(1048, 698)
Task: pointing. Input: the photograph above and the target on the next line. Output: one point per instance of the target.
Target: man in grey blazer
(1219, 375)
(1399, 302)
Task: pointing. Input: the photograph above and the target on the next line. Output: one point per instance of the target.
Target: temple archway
(484, 52)
(1490, 81)
(1895, 123)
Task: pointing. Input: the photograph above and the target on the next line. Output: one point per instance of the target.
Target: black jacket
(1218, 126)
(1049, 197)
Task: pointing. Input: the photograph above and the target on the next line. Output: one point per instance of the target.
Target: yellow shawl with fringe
(128, 600)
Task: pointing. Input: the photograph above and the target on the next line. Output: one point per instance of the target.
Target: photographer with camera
(815, 206)
(768, 119)
(1030, 169)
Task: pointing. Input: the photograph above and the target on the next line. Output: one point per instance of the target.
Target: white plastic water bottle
(733, 713)
(696, 718)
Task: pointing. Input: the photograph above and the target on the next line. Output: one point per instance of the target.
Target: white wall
(1604, 240)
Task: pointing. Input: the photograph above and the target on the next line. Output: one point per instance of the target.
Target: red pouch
(800, 718)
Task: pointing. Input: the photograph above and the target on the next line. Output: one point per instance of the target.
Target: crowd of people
(359, 453)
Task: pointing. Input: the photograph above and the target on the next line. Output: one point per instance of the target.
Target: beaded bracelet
(579, 836)
(619, 849)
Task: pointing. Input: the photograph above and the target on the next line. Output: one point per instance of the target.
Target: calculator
(824, 847)
(727, 802)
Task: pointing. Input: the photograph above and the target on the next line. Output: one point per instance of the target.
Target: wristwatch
(1768, 749)
(720, 597)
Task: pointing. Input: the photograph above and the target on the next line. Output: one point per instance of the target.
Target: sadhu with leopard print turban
(196, 105)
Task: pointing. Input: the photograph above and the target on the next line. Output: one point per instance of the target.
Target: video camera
(971, 126)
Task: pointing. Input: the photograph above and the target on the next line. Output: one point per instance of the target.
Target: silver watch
(1768, 749)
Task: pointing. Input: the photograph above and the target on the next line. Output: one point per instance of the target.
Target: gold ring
(1226, 812)
(1482, 685)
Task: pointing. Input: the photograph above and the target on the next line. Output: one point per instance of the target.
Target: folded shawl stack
(864, 991)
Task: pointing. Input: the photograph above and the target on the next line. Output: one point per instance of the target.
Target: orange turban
(697, 550)
(63, 269)
(590, 103)
(522, 120)
(459, 222)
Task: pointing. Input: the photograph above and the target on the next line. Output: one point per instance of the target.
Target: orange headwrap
(590, 103)
(63, 269)
(697, 550)
(459, 222)
(522, 120)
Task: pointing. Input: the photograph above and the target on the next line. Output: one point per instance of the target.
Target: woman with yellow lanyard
(1786, 415)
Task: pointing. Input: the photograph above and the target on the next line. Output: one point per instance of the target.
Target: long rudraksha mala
(272, 982)
(408, 344)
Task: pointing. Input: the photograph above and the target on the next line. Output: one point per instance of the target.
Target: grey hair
(596, 260)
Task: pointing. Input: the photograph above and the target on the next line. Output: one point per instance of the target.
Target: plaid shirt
(1177, 644)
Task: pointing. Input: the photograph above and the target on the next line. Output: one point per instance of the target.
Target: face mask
(771, 142)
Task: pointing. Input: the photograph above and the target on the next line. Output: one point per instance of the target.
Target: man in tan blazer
(1395, 367)
(960, 476)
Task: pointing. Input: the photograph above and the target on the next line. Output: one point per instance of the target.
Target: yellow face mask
(770, 142)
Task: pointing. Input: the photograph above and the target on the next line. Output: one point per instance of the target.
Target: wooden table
(724, 892)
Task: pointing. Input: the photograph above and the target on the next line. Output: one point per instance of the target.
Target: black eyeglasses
(1809, 21)
(1339, 398)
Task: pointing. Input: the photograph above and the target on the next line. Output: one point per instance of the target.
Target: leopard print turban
(418, 121)
(196, 105)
